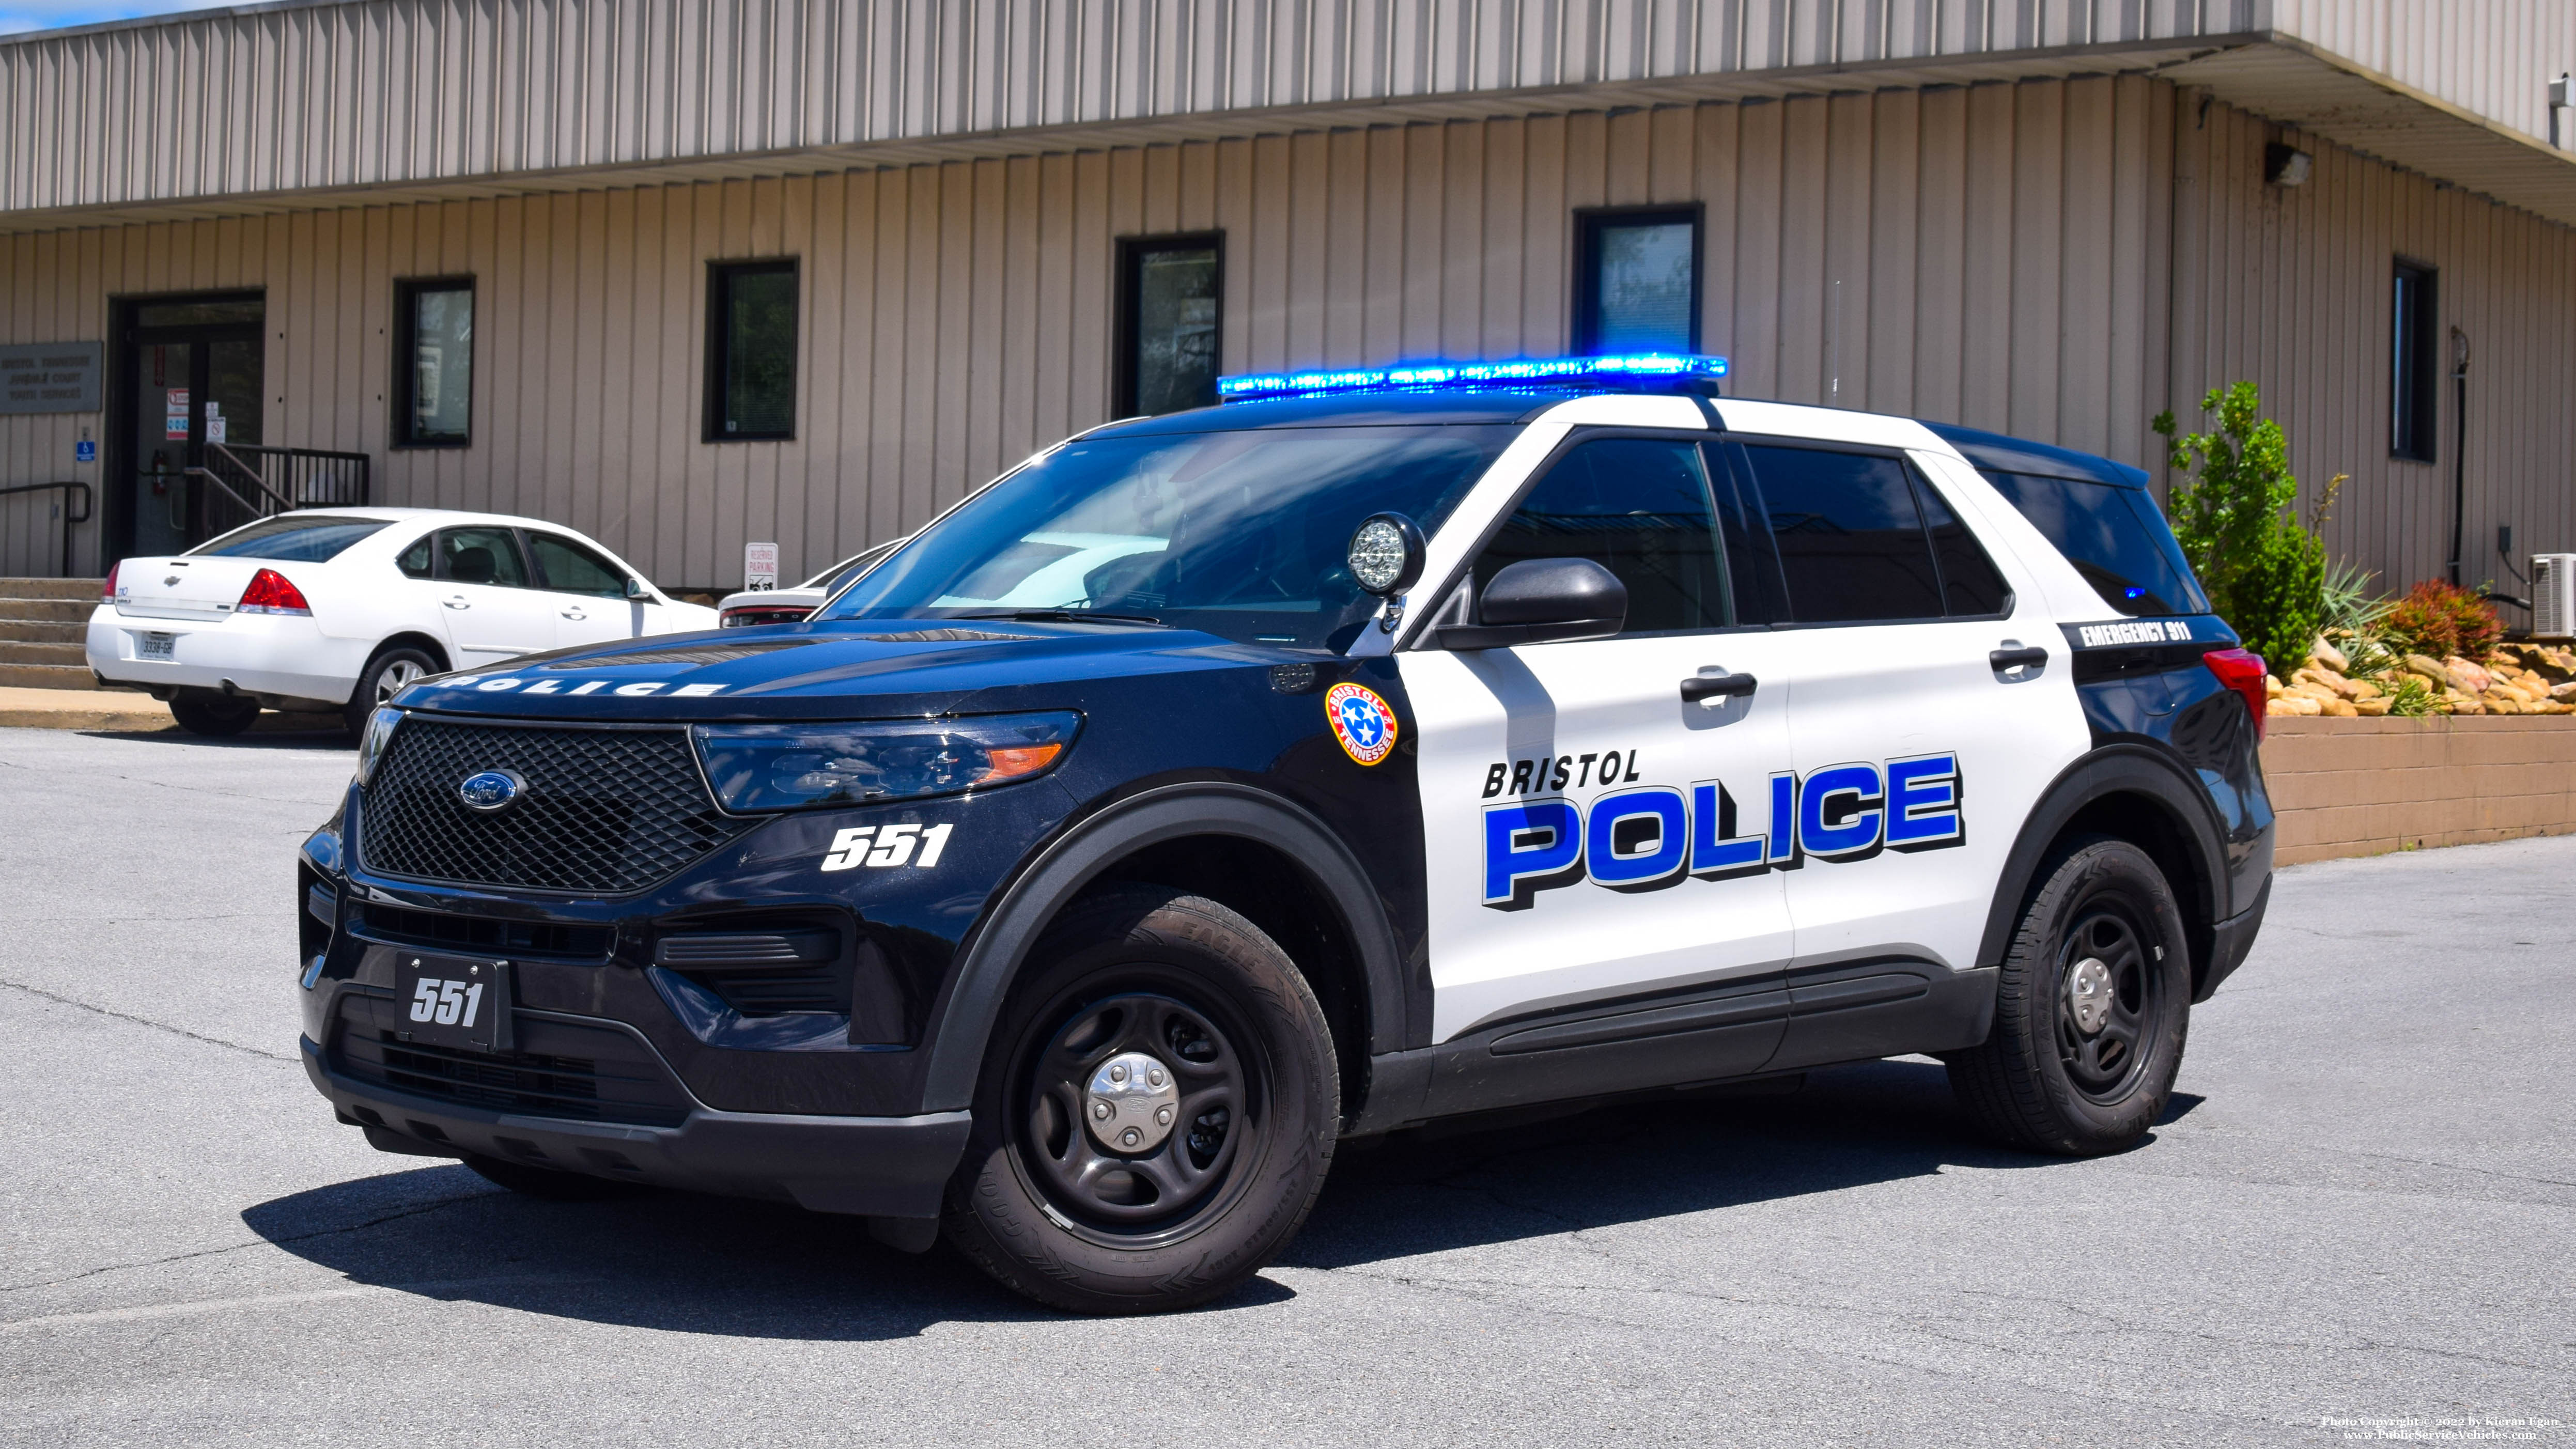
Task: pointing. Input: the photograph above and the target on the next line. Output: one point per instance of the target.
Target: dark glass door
(190, 392)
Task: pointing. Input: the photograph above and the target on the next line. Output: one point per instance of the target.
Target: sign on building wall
(49, 377)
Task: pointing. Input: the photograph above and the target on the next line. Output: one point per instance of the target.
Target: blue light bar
(1603, 372)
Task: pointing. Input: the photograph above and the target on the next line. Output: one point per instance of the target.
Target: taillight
(2242, 670)
(270, 593)
(107, 591)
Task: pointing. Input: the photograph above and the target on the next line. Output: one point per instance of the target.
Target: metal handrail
(71, 488)
(313, 477)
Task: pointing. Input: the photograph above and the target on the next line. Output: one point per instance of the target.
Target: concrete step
(20, 632)
(64, 654)
(47, 676)
(46, 611)
(88, 589)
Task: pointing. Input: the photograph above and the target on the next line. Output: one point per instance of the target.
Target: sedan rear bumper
(282, 656)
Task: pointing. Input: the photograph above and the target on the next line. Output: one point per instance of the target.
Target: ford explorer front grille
(603, 811)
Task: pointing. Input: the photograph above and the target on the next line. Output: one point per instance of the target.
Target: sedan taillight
(745, 616)
(107, 591)
(270, 593)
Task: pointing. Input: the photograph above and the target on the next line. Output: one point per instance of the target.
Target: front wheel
(1157, 1110)
(2091, 1008)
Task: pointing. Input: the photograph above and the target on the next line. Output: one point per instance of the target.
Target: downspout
(2459, 447)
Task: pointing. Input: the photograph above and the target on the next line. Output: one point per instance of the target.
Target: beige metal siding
(2494, 58)
(409, 91)
(1989, 255)
(2291, 288)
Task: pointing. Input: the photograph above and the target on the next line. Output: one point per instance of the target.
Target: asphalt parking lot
(2361, 1210)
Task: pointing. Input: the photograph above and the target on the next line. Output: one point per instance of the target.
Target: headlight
(371, 745)
(796, 767)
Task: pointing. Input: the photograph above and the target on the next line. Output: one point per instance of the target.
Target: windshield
(1239, 534)
(290, 539)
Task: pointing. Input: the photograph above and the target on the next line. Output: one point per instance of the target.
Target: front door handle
(456, 601)
(1711, 686)
(2026, 657)
(575, 615)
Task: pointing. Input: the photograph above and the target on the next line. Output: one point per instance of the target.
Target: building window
(1636, 285)
(1169, 292)
(751, 351)
(434, 363)
(2413, 364)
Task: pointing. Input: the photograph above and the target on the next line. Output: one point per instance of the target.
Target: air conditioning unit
(2553, 595)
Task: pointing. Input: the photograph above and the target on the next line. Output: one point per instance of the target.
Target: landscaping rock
(2465, 677)
(2429, 668)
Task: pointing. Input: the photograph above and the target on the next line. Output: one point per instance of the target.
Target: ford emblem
(490, 790)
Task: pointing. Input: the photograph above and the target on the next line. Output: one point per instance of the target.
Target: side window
(2113, 536)
(1851, 540)
(568, 568)
(414, 561)
(480, 556)
(1639, 507)
(1969, 582)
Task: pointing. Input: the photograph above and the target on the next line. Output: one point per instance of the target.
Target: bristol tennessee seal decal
(1361, 721)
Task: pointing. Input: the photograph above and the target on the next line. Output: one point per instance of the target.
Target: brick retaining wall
(2364, 786)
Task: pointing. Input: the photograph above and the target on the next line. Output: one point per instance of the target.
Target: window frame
(720, 279)
(1129, 297)
(406, 378)
(1919, 477)
(2414, 382)
(1585, 328)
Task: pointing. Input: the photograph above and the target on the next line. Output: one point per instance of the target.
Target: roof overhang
(2284, 79)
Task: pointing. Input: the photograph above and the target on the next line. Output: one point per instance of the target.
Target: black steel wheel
(1158, 1110)
(2092, 1007)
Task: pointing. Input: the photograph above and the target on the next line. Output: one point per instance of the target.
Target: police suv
(1365, 750)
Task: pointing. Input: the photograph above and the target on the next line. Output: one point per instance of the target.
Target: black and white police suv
(1365, 750)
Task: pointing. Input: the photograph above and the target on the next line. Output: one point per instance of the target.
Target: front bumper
(893, 1167)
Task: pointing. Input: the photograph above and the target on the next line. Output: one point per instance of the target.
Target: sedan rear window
(290, 539)
(2115, 538)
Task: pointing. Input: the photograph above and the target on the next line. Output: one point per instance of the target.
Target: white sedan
(338, 609)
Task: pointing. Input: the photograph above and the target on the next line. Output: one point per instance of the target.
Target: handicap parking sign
(85, 451)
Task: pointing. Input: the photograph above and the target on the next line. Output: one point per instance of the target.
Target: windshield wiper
(1066, 616)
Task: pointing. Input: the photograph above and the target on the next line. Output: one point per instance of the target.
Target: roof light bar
(1591, 373)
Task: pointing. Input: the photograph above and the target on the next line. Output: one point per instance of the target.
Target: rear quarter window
(2113, 536)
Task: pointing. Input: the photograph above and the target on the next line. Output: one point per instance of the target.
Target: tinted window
(1851, 540)
(569, 568)
(1241, 534)
(1639, 508)
(2113, 536)
(751, 351)
(292, 539)
(480, 556)
(1969, 583)
(415, 560)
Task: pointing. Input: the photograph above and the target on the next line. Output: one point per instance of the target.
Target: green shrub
(2264, 571)
(2439, 619)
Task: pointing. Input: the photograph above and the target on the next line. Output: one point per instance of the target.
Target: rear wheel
(384, 677)
(213, 714)
(2091, 1009)
(1157, 1111)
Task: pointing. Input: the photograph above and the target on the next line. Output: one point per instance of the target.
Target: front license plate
(156, 646)
(452, 1001)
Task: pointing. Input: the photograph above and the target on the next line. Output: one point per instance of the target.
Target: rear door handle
(575, 614)
(1709, 686)
(2027, 657)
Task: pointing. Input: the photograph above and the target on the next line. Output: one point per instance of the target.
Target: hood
(200, 586)
(848, 669)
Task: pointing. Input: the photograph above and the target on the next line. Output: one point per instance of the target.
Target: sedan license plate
(156, 646)
(452, 1001)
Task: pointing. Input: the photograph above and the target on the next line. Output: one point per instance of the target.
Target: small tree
(2265, 573)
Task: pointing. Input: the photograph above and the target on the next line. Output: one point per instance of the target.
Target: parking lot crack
(61, 1000)
(146, 1263)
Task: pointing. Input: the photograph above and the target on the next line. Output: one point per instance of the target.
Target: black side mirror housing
(1541, 600)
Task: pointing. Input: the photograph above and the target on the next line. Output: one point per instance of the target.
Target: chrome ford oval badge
(490, 790)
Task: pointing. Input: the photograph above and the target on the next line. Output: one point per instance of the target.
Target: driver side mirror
(1540, 600)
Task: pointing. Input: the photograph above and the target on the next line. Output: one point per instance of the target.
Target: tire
(213, 715)
(545, 1182)
(1150, 980)
(2091, 1009)
(384, 677)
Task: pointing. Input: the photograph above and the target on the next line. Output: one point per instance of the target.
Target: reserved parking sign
(760, 566)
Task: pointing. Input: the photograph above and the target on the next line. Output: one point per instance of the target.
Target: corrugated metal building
(2048, 217)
